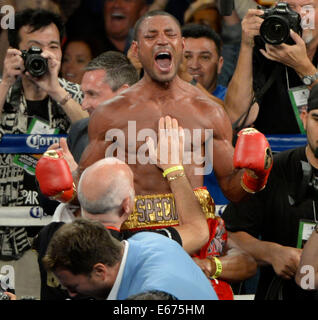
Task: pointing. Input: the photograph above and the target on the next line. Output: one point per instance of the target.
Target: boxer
(159, 45)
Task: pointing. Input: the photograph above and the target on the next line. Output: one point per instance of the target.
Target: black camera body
(34, 63)
(277, 23)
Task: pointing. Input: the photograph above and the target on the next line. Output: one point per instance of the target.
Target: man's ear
(99, 270)
(134, 48)
(122, 88)
(220, 64)
(127, 208)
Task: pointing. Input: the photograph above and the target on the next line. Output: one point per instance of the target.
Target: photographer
(33, 104)
(267, 75)
(274, 224)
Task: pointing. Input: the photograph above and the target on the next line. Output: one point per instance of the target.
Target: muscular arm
(284, 260)
(192, 228)
(309, 257)
(221, 150)
(237, 265)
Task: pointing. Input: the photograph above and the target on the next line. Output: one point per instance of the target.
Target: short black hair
(195, 30)
(36, 19)
(152, 13)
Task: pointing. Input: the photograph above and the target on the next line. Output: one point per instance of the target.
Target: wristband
(172, 169)
(218, 269)
(65, 99)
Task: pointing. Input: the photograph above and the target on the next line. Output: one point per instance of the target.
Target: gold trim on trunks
(159, 211)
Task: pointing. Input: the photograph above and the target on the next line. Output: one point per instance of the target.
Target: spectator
(119, 18)
(19, 6)
(77, 52)
(111, 22)
(266, 76)
(268, 226)
(202, 52)
(51, 102)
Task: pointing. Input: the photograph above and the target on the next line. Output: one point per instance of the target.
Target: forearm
(261, 251)
(187, 205)
(71, 107)
(306, 68)
(192, 227)
(237, 266)
(240, 89)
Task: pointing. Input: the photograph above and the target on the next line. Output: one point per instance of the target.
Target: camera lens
(36, 65)
(275, 30)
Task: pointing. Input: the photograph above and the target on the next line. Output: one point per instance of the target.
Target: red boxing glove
(253, 152)
(54, 176)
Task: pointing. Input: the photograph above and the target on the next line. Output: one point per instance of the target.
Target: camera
(277, 23)
(34, 63)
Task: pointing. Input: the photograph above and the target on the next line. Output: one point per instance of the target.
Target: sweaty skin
(159, 93)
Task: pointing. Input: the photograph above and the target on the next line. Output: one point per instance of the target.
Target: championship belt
(159, 211)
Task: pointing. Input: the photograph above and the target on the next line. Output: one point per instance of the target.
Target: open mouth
(195, 76)
(118, 16)
(163, 61)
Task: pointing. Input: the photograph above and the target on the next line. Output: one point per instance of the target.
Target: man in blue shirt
(105, 268)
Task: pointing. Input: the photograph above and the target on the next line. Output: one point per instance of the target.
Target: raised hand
(170, 147)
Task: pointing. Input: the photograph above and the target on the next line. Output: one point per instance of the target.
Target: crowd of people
(165, 106)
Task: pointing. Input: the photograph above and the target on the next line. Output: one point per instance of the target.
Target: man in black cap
(282, 215)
